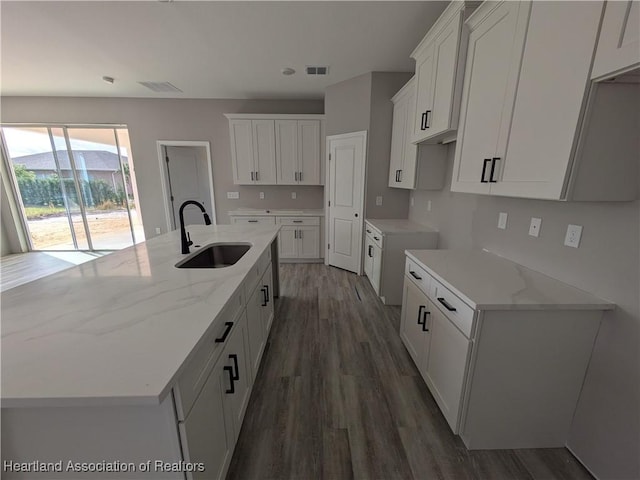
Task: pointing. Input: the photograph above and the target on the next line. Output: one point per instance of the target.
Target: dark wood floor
(338, 397)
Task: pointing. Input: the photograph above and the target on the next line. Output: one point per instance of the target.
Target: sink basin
(216, 255)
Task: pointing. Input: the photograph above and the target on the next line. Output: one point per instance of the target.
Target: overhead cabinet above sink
(276, 149)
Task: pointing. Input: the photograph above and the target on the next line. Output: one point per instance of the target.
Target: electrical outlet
(572, 239)
(502, 220)
(378, 201)
(158, 231)
(233, 195)
(428, 205)
(534, 226)
(293, 195)
(261, 195)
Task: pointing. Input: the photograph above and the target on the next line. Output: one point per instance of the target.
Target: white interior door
(187, 176)
(346, 196)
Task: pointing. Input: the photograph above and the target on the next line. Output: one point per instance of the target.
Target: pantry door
(346, 199)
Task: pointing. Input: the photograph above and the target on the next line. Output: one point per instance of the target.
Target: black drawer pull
(368, 231)
(234, 357)
(228, 327)
(414, 275)
(264, 297)
(376, 238)
(423, 121)
(231, 388)
(268, 296)
(446, 304)
(369, 253)
(427, 123)
(493, 168)
(252, 221)
(484, 170)
(297, 221)
(424, 321)
(420, 319)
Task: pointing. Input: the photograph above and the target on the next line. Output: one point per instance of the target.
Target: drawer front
(453, 307)
(253, 220)
(298, 220)
(193, 377)
(374, 234)
(418, 276)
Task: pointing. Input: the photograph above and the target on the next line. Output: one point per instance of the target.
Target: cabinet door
(267, 311)
(308, 241)
(376, 269)
(548, 108)
(413, 334)
(446, 364)
(398, 139)
(238, 380)
(495, 48)
(425, 65)
(288, 242)
(446, 59)
(255, 329)
(309, 152)
(207, 433)
(264, 151)
(368, 258)
(241, 151)
(410, 151)
(619, 43)
(287, 151)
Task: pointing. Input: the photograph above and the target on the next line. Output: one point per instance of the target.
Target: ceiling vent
(160, 87)
(316, 70)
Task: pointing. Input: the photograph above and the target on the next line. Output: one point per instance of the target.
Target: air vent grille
(160, 87)
(316, 70)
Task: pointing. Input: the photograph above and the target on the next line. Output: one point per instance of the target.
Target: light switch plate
(572, 239)
(261, 195)
(378, 200)
(233, 195)
(534, 226)
(158, 231)
(293, 195)
(502, 220)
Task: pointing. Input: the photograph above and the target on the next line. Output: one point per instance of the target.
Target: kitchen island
(120, 361)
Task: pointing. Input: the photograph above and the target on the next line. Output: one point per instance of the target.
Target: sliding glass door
(75, 185)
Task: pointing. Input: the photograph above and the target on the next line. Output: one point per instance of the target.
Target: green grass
(41, 212)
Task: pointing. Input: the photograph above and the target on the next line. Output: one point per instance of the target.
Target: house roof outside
(91, 160)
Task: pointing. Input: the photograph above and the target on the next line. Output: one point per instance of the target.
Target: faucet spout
(184, 239)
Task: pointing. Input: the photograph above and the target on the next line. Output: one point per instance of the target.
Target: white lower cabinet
(299, 238)
(507, 371)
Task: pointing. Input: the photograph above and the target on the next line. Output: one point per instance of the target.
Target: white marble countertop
(276, 212)
(119, 329)
(488, 282)
(399, 226)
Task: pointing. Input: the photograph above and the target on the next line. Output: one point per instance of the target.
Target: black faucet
(184, 239)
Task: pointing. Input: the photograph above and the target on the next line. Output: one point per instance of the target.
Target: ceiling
(207, 49)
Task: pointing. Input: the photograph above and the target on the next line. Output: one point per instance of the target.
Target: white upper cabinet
(532, 124)
(619, 43)
(276, 149)
(412, 166)
(439, 68)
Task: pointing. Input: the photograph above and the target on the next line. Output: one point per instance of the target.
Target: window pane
(131, 186)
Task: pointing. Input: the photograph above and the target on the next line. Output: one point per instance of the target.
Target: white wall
(150, 120)
(606, 430)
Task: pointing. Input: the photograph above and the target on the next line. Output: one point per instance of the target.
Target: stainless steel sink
(216, 255)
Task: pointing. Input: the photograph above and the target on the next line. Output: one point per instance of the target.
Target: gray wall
(604, 434)
(364, 103)
(150, 120)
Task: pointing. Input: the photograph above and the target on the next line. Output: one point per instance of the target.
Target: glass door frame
(15, 192)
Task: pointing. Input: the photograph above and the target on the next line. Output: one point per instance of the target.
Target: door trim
(327, 190)
(166, 200)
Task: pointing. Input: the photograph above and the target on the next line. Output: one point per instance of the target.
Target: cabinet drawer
(266, 220)
(453, 307)
(193, 377)
(374, 234)
(298, 220)
(418, 275)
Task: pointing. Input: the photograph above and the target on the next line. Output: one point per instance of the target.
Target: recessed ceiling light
(108, 79)
(288, 71)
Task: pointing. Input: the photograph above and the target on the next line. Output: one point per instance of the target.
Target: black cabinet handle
(368, 231)
(264, 297)
(228, 326)
(414, 275)
(252, 221)
(234, 357)
(493, 167)
(257, 176)
(427, 123)
(252, 176)
(420, 320)
(376, 238)
(423, 121)
(446, 304)
(231, 388)
(424, 320)
(300, 176)
(268, 298)
(297, 221)
(400, 175)
(369, 253)
(484, 170)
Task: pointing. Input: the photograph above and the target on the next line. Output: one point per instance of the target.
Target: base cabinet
(299, 238)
